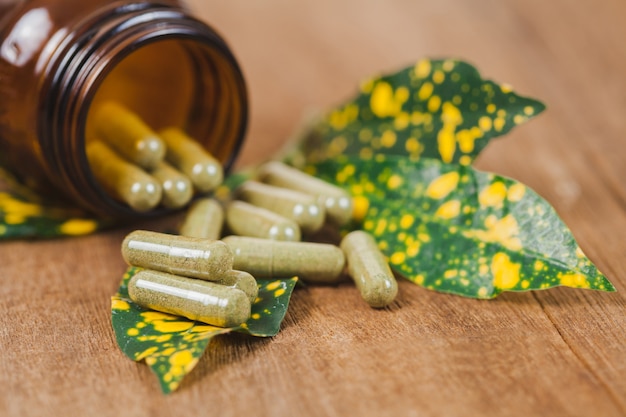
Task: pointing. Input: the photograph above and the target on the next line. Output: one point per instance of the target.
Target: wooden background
(560, 352)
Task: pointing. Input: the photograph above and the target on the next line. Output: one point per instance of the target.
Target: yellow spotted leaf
(173, 345)
(23, 214)
(454, 229)
(438, 109)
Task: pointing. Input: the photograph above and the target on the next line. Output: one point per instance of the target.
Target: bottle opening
(163, 123)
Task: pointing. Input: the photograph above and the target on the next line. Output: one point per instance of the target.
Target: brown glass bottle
(59, 57)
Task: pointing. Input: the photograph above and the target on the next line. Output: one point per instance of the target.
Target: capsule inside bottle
(168, 84)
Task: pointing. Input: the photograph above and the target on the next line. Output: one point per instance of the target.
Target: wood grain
(559, 353)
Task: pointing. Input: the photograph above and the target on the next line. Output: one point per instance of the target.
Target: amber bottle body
(59, 58)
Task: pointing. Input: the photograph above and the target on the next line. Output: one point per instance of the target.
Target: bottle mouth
(168, 68)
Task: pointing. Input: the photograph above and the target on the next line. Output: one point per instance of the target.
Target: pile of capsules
(144, 169)
(200, 277)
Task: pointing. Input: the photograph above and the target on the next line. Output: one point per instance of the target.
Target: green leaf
(451, 228)
(172, 345)
(439, 109)
(23, 214)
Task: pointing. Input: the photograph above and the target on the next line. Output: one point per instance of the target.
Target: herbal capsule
(336, 202)
(369, 269)
(193, 160)
(204, 219)
(242, 281)
(203, 301)
(247, 220)
(301, 208)
(128, 135)
(264, 258)
(180, 255)
(124, 180)
(177, 189)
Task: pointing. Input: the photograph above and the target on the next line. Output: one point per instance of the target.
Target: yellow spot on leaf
(451, 273)
(449, 210)
(279, 292)
(273, 286)
(384, 102)
(360, 206)
(518, 119)
(412, 145)
(422, 69)
(146, 353)
(388, 139)
(434, 103)
(491, 108)
(504, 231)
(380, 227)
(398, 258)
(172, 326)
(506, 88)
(184, 359)
(516, 192)
(439, 77)
(132, 331)
(485, 123)
(75, 227)
(448, 65)
(451, 118)
(467, 138)
(401, 121)
(506, 274)
(538, 266)
(528, 110)
(117, 304)
(442, 186)
(483, 292)
(465, 160)
(394, 182)
(425, 91)
(407, 221)
(499, 123)
(493, 195)
(413, 249)
(574, 280)
(152, 316)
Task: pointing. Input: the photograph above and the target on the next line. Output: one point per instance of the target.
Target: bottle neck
(84, 59)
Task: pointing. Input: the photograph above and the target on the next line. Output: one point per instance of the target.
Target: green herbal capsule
(191, 257)
(247, 220)
(203, 301)
(336, 202)
(204, 219)
(369, 269)
(177, 188)
(264, 258)
(122, 179)
(193, 160)
(242, 281)
(125, 132)
(301, 208)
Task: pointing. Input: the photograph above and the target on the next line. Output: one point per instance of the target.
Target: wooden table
(560, 352)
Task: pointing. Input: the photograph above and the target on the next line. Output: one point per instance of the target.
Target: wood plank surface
(560, 352)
